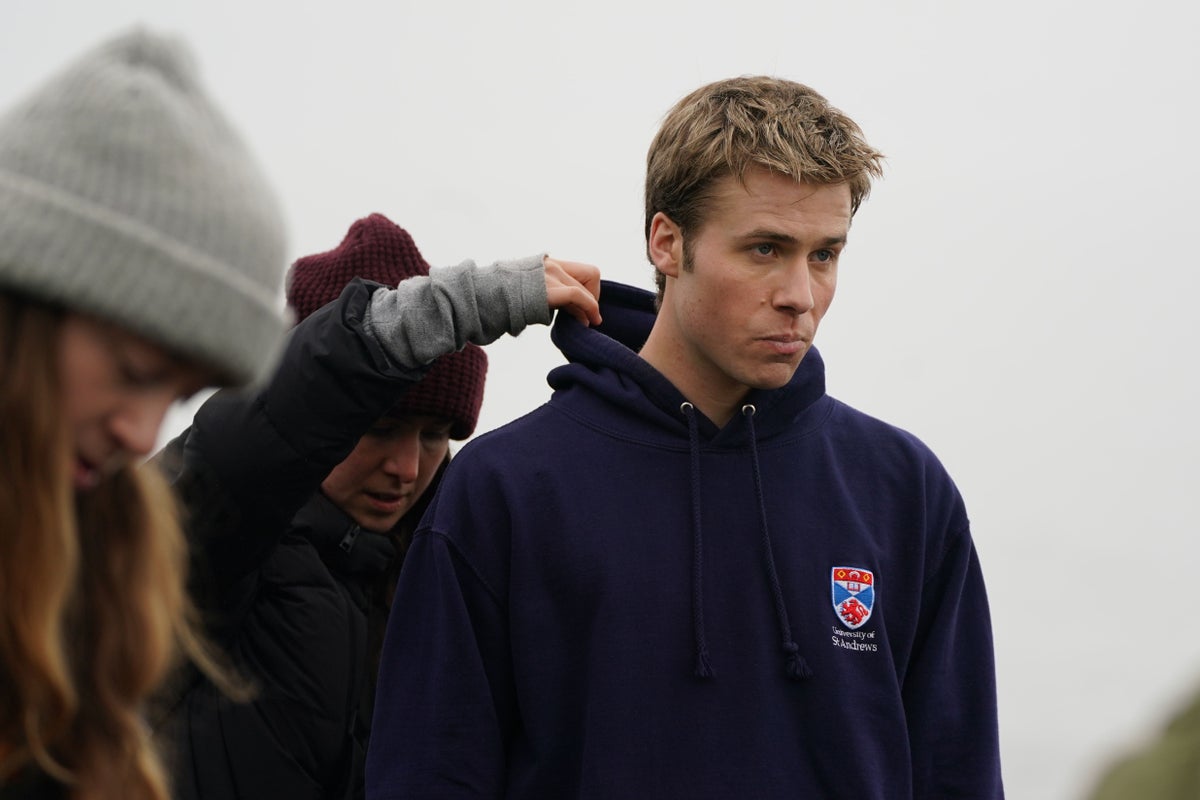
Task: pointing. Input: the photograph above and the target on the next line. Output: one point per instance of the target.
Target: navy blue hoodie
(611, 598)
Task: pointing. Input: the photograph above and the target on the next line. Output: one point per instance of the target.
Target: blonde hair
(96, 612)
(727, 127)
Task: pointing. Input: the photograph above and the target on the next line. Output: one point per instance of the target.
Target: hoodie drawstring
(797, 668)
(703, 667)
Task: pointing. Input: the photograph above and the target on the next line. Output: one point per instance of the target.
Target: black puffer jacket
(290, 587)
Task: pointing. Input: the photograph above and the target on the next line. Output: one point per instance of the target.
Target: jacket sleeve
(949, 688)
(251, 458)
(445, 703)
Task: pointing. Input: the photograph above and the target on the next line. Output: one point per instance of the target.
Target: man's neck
(663, 353)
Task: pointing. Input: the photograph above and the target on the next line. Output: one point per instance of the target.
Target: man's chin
(777, 377)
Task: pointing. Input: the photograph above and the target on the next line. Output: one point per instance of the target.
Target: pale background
(1019, 290)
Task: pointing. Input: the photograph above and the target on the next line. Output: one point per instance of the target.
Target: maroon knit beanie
(377, 249)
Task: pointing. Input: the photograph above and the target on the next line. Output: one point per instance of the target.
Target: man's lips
(785, 344)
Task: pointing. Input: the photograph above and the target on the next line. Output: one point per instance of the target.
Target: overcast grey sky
(1019, 290)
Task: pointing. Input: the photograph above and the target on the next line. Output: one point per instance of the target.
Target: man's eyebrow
(766, 234)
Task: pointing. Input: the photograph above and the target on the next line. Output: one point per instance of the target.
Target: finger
(577, 301)
(586, 275)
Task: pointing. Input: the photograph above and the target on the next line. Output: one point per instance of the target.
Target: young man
(693, 574)
(301, 497)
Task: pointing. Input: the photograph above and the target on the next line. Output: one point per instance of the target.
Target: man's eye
(824, 255)
(764, 249)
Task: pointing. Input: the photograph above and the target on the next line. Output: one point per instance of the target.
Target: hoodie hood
(604, 361)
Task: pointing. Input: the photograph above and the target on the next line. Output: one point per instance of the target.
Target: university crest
(853, 595)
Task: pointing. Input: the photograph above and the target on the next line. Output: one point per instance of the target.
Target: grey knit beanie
(125, 193)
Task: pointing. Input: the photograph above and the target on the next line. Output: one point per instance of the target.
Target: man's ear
(665, 245)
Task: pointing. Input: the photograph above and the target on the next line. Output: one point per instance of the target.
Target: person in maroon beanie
(300, 498)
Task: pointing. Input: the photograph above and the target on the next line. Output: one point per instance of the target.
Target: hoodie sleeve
(443, 731)
(949, 689)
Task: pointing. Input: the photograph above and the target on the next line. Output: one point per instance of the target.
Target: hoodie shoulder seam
(457, 553)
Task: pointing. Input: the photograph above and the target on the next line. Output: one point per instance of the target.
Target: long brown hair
(93, 589)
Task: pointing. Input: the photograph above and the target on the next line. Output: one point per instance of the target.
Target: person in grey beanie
(142, 253)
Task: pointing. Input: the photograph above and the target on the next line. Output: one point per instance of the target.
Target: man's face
(760, 273)
(388, 470)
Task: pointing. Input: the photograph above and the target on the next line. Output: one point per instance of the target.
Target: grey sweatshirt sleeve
(427, 317)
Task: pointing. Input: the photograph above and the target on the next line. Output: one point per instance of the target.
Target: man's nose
(794, 292)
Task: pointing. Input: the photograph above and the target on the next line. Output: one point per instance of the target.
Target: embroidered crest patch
(853, 595)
